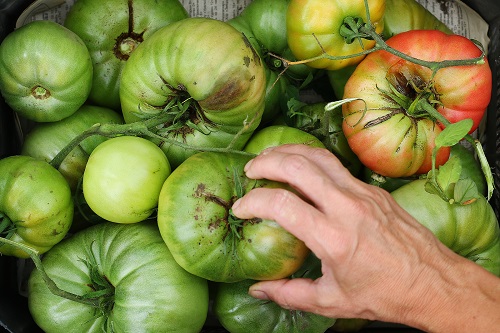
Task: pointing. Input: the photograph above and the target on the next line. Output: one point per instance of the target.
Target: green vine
(152, 126)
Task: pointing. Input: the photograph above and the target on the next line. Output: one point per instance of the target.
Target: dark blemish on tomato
(246, 61)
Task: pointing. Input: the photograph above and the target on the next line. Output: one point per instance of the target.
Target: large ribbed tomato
(213, 88)
(387, 126)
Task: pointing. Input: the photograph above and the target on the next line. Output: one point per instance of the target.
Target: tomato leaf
(449, 174)
(238, 186)
(465, 191)
(453, 133)
(335, 104)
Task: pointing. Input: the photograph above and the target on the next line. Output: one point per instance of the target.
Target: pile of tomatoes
(143, 119)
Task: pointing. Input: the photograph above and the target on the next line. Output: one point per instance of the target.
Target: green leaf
(432, 188)
(453, 133)
(485, 167)
(449, 174)
(465, 191)
(237, 183)
(335, 104)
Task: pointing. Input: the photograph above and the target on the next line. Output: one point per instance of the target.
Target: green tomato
(276, 85)
(338, 78)
(112, 30)
(195, 220)
(123, 179)
(45, 71)
(141, 287)
(264, 24)
(237, 311)
(46, 140)
(471, 168)
(266, 20)
(470, 230)
(35, 204)
(211, 88)
(275, 135)
(404, 15)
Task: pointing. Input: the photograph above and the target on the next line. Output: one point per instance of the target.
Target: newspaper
(460, 18)
(56, 10)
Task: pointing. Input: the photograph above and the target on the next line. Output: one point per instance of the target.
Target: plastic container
(14, 314)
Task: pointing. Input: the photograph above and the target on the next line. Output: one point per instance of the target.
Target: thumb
(291, 294)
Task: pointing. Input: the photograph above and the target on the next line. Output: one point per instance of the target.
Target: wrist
(453, 294)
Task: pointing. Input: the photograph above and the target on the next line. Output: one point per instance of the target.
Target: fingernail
(236, 204)
(247, 166)
(256, 293)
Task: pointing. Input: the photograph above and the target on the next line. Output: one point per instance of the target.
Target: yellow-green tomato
(275, 135)
(46, 140)
(123, 179)
(35, 205)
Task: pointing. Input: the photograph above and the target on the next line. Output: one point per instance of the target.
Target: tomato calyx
(273, 61)
(103, 292)
(351, 30)
(183, 114)
(234, 224)
(126, 43)
(39, 92)
(411, 92)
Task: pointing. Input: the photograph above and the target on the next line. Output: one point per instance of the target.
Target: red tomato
(388, 130)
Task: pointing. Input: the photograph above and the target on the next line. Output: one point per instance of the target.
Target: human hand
(378, 262)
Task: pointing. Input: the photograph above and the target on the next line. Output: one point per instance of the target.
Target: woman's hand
(378, 262)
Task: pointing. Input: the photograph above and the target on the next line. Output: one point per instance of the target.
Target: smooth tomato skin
(310, 21)
(46, 140)
(123, 178)
(266, 19)
(464, 92)
(237, 310)
(275, 135)
(193, 218)
(471, 230)
(36, 198)
(152, 293)
(226, 82)
(405, 15)
(31, 65)
(112, 30)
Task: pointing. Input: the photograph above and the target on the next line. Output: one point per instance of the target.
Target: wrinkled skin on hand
(377, 261)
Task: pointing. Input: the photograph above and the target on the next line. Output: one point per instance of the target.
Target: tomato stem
(485, 167)
(51, 285)
(147, 128)
(354, 28)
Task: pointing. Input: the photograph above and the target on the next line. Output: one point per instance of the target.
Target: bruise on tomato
(227, 95)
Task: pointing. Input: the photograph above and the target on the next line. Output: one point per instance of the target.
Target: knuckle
(293, 164)
(280, 201)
